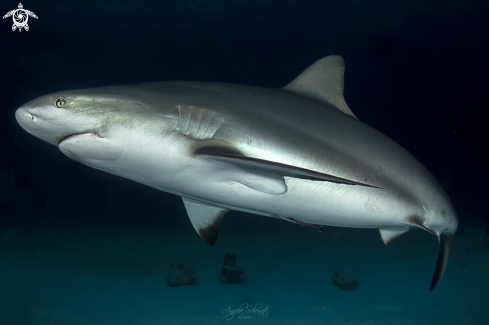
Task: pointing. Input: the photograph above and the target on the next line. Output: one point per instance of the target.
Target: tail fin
(441, 263)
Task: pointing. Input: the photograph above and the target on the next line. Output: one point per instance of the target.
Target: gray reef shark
(296, 153)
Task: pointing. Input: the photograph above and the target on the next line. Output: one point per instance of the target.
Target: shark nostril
(32, 117)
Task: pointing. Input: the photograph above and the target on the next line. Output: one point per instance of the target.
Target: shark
(296, 153)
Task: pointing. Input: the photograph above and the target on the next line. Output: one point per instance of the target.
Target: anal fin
(205, 218)
(389, 235)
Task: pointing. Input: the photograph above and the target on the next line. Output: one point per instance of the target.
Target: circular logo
(20, 17)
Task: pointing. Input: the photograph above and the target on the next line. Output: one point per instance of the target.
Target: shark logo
(20, 17)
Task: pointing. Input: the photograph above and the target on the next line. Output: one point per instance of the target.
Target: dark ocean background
(418, 71)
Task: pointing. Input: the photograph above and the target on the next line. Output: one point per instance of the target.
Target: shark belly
(308, 201)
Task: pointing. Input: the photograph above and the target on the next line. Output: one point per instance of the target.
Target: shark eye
(59, 102)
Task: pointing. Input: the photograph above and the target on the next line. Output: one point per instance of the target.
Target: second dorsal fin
(323, 82)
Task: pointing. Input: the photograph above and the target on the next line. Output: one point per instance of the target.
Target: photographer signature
(246, 309)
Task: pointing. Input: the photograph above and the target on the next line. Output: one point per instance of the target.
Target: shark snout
(39, 124)
(24, 118)
(28, 121)
(53, 124)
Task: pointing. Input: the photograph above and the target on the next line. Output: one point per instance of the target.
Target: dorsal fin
(323, 82)
(205, 218)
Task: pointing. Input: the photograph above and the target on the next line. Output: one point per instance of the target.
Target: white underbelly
(313, 202)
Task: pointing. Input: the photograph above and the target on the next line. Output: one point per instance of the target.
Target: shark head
(56, 117)
(91, 126)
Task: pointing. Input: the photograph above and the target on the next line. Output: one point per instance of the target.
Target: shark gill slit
(200, 122)
(189, 120)
(217, 128)
(208, 124)
(178, 119)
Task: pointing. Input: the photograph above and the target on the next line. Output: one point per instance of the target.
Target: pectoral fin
(205, 218)
(267, 176)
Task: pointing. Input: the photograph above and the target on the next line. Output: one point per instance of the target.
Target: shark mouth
(77, 134)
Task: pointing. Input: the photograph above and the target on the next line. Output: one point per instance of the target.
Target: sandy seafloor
(118, 276)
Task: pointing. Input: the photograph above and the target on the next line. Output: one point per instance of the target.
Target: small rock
(486, 238)
(344, 281)
(182, 275)
(230, 273)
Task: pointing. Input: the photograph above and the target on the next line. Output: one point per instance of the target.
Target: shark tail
(441, 263)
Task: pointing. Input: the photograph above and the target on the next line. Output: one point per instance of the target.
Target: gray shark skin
(296, 153)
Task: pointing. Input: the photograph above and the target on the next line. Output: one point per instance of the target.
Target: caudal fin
(441, 263)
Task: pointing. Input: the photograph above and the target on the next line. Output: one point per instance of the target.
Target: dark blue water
(417, 71)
